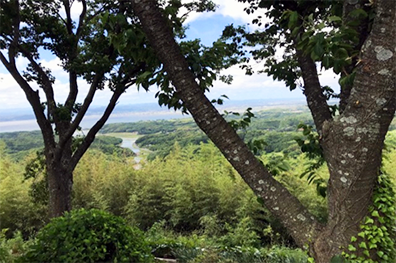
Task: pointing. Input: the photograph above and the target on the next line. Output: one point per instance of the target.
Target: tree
(351, 141)
(88, 48)
(104, 46)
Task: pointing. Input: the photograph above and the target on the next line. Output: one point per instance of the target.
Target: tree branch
(34, 100)
(14, 44)
(82, 18)
(84, 108)
(300, 223)
(316, 100)
(47, 84)
(94, 130)
(363, 32)
(69, 24)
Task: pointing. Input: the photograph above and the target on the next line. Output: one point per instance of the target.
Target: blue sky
(208, 28)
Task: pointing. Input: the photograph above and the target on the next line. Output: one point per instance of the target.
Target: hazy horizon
(24, 120)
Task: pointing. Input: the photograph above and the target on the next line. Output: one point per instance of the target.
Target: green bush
(89, 236)
(11, 249)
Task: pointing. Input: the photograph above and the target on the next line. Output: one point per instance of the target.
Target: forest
(186, 200)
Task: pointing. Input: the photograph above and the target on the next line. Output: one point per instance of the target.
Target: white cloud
(232, 9)
(11, 95)
(55, 65)
(257, 86)
(229, 8)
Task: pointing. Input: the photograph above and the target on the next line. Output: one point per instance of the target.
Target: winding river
(130, 144)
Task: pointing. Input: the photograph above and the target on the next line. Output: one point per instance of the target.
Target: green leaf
(375, 213)
(334, 19)
(341, 53)
(372, 246)
(368, 220)
(318, 49)
(293, 18)
(337, 259)
(363, 245)
(351, 248)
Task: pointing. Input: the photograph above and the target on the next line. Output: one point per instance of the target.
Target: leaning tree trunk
(352, 142)
(302, 226)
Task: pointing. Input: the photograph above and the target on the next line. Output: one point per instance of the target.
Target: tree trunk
(60, 183)
(302, 226)
(353, 142)
(60, 176)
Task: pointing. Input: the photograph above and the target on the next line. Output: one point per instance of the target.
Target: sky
(205, 26)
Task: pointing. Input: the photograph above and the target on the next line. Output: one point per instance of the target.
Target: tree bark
(59, 176)
(352, 142)
(60, 184)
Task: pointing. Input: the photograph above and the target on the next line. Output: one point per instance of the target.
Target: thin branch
(95, 129)
(84, 108)
(316, 100)
(82, 18)
(69, 24)
(47, 84)
(61, 18)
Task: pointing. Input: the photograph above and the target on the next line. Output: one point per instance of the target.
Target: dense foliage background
(187, 198)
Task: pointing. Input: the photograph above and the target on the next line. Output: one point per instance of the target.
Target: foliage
(377, 235)
(311, 146)
(17, 209)
(207, 249)
(88, 236)
(103, 182)
(192, 189)
(13, 248)
(4, 251)
(20, 143)
(266, 131)
(161, 144)
(202, 202)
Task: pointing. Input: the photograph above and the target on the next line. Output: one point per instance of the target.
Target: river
(130, 144)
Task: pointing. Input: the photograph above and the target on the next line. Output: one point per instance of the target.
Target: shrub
(89, 236)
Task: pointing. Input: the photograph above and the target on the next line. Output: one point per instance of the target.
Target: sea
(12, 120)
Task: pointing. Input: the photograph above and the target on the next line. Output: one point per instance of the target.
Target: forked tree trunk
(352, 142)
